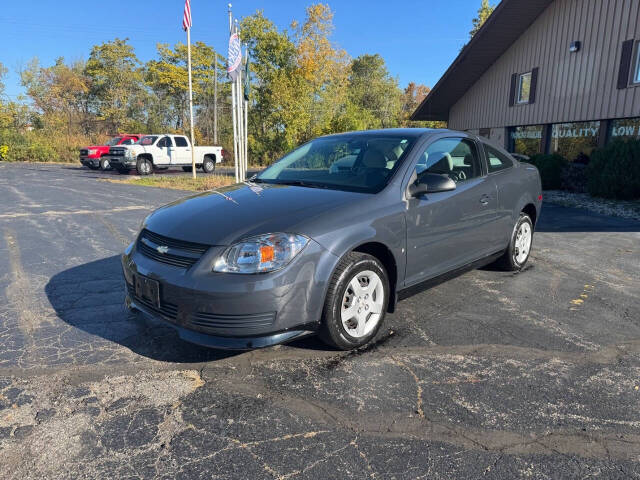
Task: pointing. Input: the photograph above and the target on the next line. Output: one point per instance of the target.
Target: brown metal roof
(507, 22)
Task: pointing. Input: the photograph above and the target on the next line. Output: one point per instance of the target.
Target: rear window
(181, 142)
(496, 160)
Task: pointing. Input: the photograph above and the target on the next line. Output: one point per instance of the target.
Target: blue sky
(418, 39)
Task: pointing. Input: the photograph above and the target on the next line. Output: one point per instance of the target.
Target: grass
(200, 184)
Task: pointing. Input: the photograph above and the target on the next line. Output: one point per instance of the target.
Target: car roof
(407, 132)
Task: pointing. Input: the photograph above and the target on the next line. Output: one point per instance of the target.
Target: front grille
(116, 152)
(84, 152)
(168, 250)
(166, 309)
(206, 320)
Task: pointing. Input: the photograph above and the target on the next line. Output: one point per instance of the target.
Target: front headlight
(128, 153)
(92, 151)
(261, 254)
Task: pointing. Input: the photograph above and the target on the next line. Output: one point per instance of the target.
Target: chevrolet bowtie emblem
(162, 249)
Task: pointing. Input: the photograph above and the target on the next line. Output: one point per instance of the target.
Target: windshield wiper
(301, 183)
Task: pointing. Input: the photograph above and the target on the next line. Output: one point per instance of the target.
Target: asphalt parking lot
(490, 375)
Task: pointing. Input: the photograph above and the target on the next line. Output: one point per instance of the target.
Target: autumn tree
(169, 79)
(116, 86)
(324, 68)
(58, 92)
(484, 12)
(3, 72)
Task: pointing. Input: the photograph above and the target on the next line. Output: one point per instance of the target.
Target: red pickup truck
(95, 157)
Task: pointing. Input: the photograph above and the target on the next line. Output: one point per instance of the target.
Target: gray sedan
(330, 237)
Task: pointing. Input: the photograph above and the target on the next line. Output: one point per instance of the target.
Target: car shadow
(556, 219)
(90, 297)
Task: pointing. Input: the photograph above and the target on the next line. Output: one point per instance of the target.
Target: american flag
(186, 18)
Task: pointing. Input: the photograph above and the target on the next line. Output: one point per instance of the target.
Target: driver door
(447, 230)
(164, 150)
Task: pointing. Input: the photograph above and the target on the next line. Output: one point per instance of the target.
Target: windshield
(148, 140)
(113, 141)
(361, 163)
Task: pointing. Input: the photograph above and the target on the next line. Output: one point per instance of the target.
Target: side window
(496, 160)
(164, 142)
(455, 157)
(128, 141)
(181, 142)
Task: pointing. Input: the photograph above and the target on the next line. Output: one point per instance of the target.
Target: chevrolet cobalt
(330, 237)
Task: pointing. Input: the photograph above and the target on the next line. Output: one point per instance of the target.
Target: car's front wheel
(104, 164)
(356, 302)
(517, 253)
(144, 166)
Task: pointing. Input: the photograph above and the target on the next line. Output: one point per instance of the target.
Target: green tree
(276, 83)
(168, 78)
(116, 84)
(484, 12)
(375, 92)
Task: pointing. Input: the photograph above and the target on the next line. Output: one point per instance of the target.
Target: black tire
(508, 260)
(186, 169)
(144, 166)
(104, 164)
(208, 165)
(332, 331)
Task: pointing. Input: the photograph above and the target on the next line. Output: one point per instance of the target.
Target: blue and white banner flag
(234, 58)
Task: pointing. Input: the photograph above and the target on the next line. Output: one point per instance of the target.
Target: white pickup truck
(162, 151)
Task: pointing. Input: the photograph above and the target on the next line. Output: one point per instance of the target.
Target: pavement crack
(419, 409)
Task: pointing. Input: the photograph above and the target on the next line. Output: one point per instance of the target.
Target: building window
(524, 87)
(636, 69)
(624, 129)
(574, 141)
(526, 140)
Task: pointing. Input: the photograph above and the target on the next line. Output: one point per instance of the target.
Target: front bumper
(121, 162)
(234, 311)
(90, 162)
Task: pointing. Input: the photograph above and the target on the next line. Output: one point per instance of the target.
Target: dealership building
(546, 76)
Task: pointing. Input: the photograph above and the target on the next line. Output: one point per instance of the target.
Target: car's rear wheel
(144, 166)
(517, 253)
(208, 165)
(104, 164)
(356, 302)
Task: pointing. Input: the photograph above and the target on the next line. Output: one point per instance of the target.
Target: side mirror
(431, 183)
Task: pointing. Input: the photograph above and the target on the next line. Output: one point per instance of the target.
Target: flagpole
(240, 116)
(193, 146)
(215, 100)
(246, 114)
(233, 108)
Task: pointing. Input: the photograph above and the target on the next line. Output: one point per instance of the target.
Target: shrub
(614, 171)
(550, 168)
(4, 149)
(574, 177)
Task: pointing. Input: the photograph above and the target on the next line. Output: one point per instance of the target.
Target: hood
(97, 147)
(226, 215)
